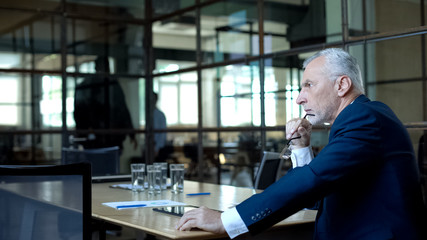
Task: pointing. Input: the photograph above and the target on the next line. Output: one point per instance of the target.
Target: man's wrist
(297, 146)
(233, 223)
(301, 156)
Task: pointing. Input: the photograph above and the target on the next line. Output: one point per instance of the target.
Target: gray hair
(337, 63)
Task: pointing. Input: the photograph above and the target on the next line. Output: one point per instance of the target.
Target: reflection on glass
(30, 44)
(121, 42)
(229, 30)
(107, 8)
(237, 98)
(174, 40)
(17, 149)
(15, 106)
(51, 102)
(391, 59)
(33, 4)
(9, 99)
(177, 98)
(409, 110)
(240, 152)
(382, 16)
(166, 7)
(282, 82)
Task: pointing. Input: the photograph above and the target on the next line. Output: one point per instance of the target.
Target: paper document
(136, 204)
(123, 186)
(129, 186)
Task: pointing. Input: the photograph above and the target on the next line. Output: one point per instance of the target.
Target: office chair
(422, 167)
(105, 161)
(45, 202)
(269, 170)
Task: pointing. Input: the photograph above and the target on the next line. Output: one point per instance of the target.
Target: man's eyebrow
(305, 81)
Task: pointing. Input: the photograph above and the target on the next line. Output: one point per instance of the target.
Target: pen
(131, 206)
(197, 194)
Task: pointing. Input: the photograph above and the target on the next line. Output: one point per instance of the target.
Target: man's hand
(299, 127)
(202, 218)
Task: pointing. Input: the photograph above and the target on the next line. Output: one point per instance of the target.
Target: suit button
(253, 218)
(268, 211)
(258, 216)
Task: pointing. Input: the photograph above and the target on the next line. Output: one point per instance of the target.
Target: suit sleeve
(354, 141)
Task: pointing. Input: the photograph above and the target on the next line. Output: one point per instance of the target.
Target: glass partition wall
(210, 83)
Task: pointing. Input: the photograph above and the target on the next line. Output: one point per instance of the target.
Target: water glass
(138, 176)
(154, 175)
(164, 169)
(177, 178)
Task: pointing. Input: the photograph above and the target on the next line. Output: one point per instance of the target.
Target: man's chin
(313, 120)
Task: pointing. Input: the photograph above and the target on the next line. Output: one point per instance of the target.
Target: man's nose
(300, 99)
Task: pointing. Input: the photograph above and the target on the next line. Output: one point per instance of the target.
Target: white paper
(136, 204)
(129, 186)
(124, 186)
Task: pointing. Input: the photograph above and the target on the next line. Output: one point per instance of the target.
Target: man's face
(318, 95)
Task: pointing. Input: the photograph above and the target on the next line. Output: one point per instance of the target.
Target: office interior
(226, 72)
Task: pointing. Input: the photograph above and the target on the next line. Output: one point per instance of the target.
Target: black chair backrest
(268, 171)
(422, 167)
(45, 202)
(105, 161)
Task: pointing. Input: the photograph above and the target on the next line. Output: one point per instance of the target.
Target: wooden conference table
(162, 225)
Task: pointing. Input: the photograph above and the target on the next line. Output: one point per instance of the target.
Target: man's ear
(343, 85)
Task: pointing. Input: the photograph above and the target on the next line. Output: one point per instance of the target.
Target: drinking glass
(164, 169)
(154, 175)
(177, 178)
(138, 176)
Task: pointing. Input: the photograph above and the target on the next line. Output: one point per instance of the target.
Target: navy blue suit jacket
(365, 180)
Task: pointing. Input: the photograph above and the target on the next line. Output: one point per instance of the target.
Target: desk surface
(145, 219)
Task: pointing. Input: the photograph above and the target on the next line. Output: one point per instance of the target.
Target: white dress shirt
(233, 223)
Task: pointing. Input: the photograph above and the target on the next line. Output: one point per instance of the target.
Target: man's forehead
(313, 69)
(316, 63)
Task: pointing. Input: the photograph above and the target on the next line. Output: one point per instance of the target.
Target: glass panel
(210, 96)
(141, 101)
(283, 75)
(177, 98)
(51, 5)
(394, 60)
(16, 149)
(393, 74)
(121, 42)
(15, 101)
(29, 41)
(107, 8)
(162, 7)
(49, 148)
(333, 20)
(132, 153)
(281, 85)
(51, 101)
(376, 16)
(289, 24)
(181, 148)
(238, 156)
(405, 98)
(101, 104)
(174, 42)
(239, 95)
(211, 155)
(229, 30)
